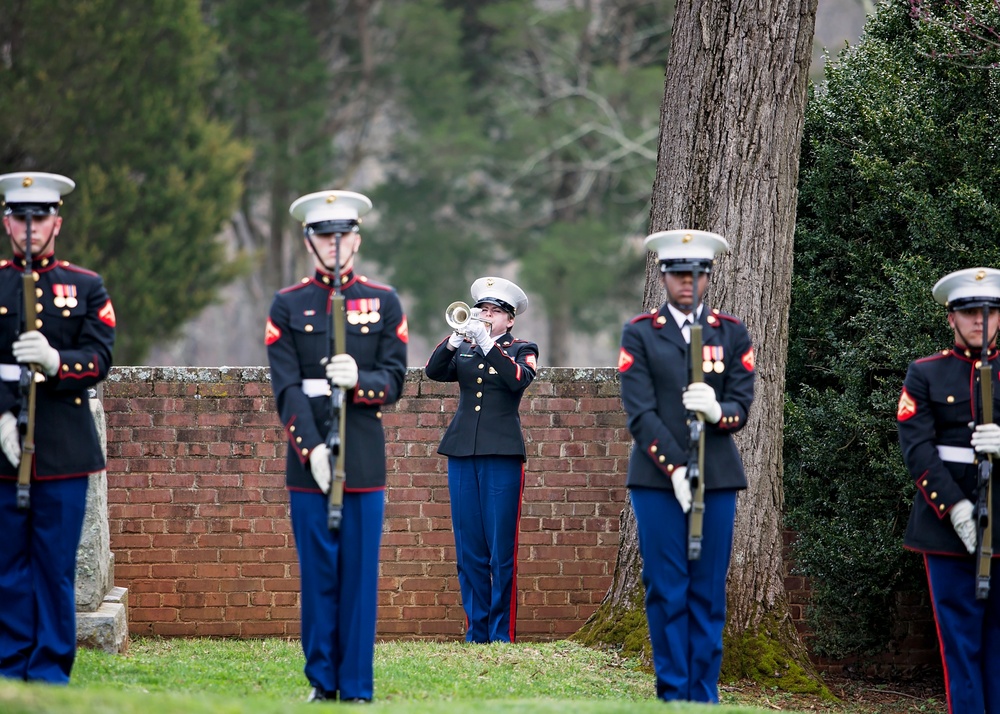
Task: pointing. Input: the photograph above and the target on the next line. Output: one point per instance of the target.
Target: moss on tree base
(622, 628)
(772, 656)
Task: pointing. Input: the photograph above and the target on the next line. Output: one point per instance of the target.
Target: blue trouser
(685, 599)
(38, 578)
(485, 513)
(339, 577)
(968, 632)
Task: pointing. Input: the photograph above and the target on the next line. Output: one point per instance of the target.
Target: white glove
(33, 348)
(455, 341)
(342, 370)
(10, 439)
(700, 397)
(480, 333)
(682, 487)
(961, 520)
(986, 439)
(319, 464)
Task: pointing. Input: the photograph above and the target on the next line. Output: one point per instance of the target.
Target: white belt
(10, 372)
(957, 454)
(321, 388)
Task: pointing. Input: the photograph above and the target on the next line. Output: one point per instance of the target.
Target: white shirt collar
(680, 318)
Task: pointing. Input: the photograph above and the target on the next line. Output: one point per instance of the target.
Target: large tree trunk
(730, 130)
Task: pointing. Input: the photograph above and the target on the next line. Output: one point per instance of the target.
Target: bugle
(459, 314)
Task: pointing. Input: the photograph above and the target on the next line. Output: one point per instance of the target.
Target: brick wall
(199, 512)
(202, 538)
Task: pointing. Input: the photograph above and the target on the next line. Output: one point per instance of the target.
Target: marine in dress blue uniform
(938, 412)
(338, 568)
(71, 342)
(685, 599)
(485, 449)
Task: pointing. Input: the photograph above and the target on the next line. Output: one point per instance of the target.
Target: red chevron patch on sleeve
(403, 331)
(748, 360)
(271, 333)
(625, 360)
(907, 406)
(107, 314)
(530, 361)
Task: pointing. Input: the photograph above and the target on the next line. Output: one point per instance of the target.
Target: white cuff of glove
(986, 439)
(319, 464)
(486, 344)
(455, 341)
(478, 331)
(342, 370)
(682, 487)
(961, 521)
(32, 348)
(10, 439)
(700, 397)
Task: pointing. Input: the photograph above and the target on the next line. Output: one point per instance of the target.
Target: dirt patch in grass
(854, 697)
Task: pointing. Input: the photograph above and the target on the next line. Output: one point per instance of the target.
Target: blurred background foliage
(515, 137)
(113, 95)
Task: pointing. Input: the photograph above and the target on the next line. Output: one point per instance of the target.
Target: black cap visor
(685, 265)
(505, 306)
(968, 303)
(32, 209)
(326, 228)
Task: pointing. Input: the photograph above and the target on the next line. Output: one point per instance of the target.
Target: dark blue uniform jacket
(938, 406)
(78, 320)
(486, 422)
(297, 338)
(654, 369)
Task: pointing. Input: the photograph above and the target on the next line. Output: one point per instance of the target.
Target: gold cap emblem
(27, 181)
(331, 199)
(981, 275)
(687, 238)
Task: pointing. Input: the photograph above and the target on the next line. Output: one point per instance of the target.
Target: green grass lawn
(205, 676)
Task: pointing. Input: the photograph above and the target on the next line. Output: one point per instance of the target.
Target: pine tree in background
(294, 80)
(112, 94)
(900, 174)
(528, 135)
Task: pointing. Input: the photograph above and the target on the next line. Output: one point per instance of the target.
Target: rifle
(26, 417)
(696, 436)
(984, 534)
(335, 437)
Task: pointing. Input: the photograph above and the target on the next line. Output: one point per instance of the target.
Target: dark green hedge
(899, 185)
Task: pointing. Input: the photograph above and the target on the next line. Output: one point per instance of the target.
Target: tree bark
(730, 131)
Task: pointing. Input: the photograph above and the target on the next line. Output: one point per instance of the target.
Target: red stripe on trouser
(513, 582)
(937, 628)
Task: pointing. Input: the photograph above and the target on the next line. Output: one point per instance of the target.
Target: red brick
(162, 614)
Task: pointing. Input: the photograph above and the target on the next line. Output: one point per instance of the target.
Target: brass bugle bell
(458, 315)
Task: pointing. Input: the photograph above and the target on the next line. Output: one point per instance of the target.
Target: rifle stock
(984, 499)
(26, 417)
(696, 450)
(336, 436)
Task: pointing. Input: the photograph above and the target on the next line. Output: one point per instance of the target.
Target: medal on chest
(711, 356)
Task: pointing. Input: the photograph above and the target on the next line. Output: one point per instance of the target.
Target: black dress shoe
(318, 695)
